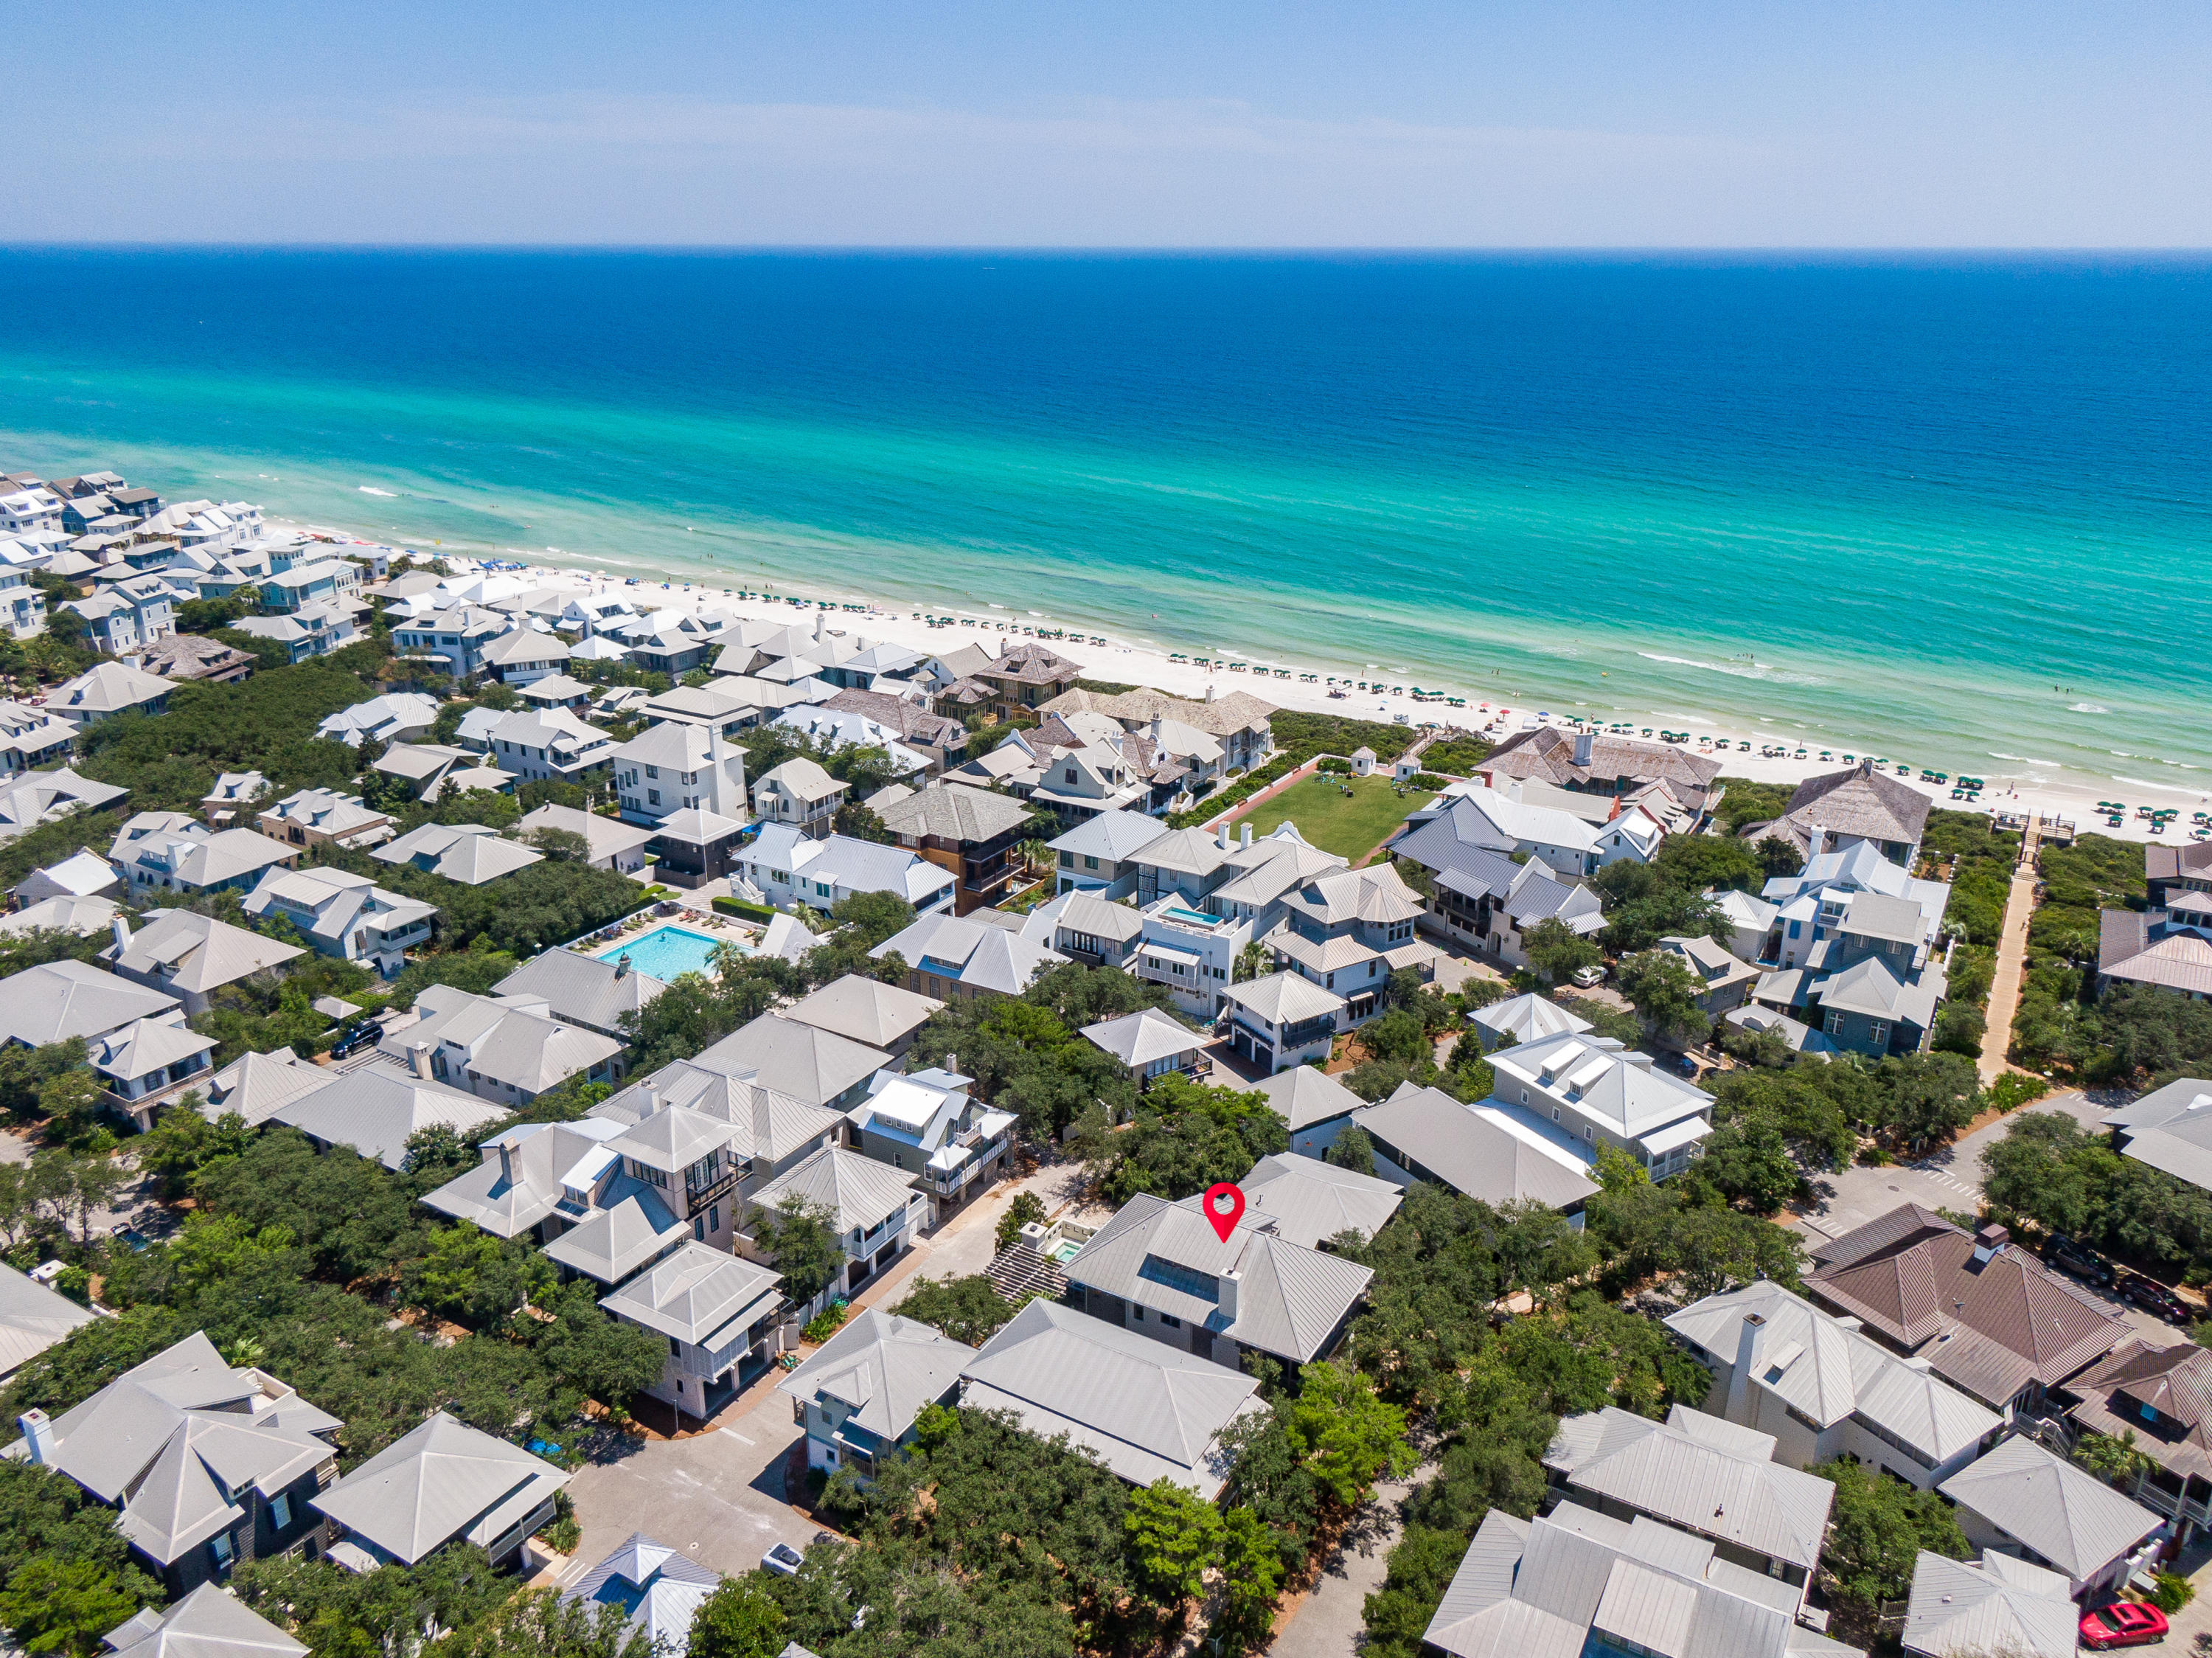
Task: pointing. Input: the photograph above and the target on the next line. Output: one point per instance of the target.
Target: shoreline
(1124, 660)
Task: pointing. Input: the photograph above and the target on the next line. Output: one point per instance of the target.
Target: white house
(344, 915)
(787, 867)
(1602, 1094)
(673, 768)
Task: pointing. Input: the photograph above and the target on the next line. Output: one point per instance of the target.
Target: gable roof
(1288, 1300)
(1305, 1201)
(884, 1369)
(1480, 1151)
(209, 1622)
(2170, 1128)
(858, 1191)
(660, 1589)
(1146, 1409)
(1826, 1371)
(2175, 1381)
(1285, 998)
(1137, 1039)
(2070, 1517)
(444, 1480)
(1699, 1474)
(1113, 834)
(196, 953)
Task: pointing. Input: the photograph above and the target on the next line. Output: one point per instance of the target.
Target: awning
(1169, 953)
(1688, 1131)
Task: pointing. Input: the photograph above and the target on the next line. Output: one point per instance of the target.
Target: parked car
(2062, 1252)
(783, 1560)
(2155, 1297)
(1589, 978)
(2122, 1623)
(366, 1034)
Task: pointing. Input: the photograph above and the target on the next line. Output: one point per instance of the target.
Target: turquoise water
(1953, 510)
(666, 952)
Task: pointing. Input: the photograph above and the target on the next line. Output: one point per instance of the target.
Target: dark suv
(2155, 1297)
(361, 1036)
(2062, 1252)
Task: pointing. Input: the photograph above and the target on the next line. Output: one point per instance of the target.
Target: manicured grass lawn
(1351, 827)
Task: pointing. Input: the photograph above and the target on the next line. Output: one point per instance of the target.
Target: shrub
(1334, 767)
(1426, 780)
(738, 906)
(2172, 1593)
(826, 1323)
(2016, 1088)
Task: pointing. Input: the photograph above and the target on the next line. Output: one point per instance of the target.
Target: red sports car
(2122, 1623)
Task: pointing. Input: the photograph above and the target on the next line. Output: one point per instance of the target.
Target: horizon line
(1285, 250)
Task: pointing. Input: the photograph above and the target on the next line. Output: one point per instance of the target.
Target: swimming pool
(667, 951)
(1193, 917)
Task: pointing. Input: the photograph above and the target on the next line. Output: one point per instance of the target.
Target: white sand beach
(1128, 662)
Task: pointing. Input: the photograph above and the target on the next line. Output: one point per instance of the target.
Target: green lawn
(1351, 827)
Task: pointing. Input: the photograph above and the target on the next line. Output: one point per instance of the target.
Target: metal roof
(865, 1010)
(697, 1293)
(1147, 1411)
(209, 1622)
(1998, 1605)
(444, 1480)
(1137, 1039)
(1305, 1201)
(1288, 1300)
(1481, 1152)
(2070, 1517)
(884, 1369)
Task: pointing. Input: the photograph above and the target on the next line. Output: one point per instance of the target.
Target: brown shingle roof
(909, 720)
(1860, 801)
(1030, 664)
(1548, 755)
(1991, 1327)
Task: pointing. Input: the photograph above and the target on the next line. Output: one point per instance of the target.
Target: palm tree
(1037, 853)
(1251, 962)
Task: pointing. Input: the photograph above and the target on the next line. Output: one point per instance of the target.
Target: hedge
(738, 906)
(1235, 795)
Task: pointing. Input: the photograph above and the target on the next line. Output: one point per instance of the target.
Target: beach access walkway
(2012, 961)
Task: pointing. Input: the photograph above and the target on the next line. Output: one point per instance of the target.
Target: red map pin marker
(1224, 1207)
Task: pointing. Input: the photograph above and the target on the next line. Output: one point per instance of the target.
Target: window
(219, 1546)
(675, 1348)
(280, 1510)
(698, 1229)
(715, 1217)
(1089, 862)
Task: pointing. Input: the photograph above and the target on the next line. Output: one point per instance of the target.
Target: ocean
(1947, 508)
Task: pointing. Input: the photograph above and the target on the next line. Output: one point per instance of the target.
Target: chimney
(1224, 1295)
(1221, 836)
(418, 1055)
(652, 1099)
(1989, 1244)
(122, 934)
(1209, 691)
(37, 1435)
(507, 1160)
(1746, 1355)
(1582, 741)
(763, 1131)
(621, 965)
(953, 1063)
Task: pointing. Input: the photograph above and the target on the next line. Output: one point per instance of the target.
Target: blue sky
(1125, 123)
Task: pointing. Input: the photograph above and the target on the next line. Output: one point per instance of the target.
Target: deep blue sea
(1955, 509)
